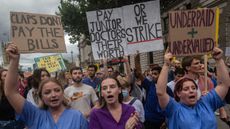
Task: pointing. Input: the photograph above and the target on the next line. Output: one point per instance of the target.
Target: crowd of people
(173, 96)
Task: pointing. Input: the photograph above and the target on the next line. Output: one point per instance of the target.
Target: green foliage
(67, 64)
(73, 13)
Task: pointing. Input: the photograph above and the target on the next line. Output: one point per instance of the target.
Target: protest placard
(143, 27)
(120, 31)
(193, 32)
(37, 32)
(107, 33)
(52, 63)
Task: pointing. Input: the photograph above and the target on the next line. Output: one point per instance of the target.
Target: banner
(193, 32)
(52, 63)
(37, 32)
(120, 31)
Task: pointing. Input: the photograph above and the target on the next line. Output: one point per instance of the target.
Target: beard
(77, 80)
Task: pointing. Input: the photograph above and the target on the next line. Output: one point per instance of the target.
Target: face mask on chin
(125, 93)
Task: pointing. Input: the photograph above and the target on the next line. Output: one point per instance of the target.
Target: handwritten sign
(107, 33)
(193, 32)
(37, 32)
(120, 31)
(143, 27)
(52, 63)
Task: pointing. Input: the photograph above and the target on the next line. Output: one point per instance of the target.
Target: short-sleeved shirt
(91, 82)
(137, 104)
(200, 116)
(103, 119)
(81, 98)
(36, 118)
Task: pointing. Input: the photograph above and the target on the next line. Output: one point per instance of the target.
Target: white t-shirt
(171, 85)
(81, 98)
(30, 97)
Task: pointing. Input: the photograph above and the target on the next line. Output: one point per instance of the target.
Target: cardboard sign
(193, 32)
(52, 63)
(120, 31)
(37, 32)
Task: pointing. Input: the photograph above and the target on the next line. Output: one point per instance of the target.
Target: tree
(68, 65)
(73, 14)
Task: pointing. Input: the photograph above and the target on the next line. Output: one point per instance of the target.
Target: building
(85, 52)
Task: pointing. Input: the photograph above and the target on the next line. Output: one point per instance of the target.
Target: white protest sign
(107, 33)
(120, 31)
(143, 27)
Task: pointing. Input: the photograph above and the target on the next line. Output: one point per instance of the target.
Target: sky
(32, 6)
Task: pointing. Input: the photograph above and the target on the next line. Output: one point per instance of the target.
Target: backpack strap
(132, 101)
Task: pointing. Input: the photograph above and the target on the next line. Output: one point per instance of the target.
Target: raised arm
(105, 66)
(128, 69)
(11, 92)
(162, 95)
(222, 73)
(138, 66)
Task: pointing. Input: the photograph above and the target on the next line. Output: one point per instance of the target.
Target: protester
(176, 64)
(112, 114)
(128, 99)
(22, 83)
(154, 118)
(178, 74)
(110, 71)
(37, 77)
(53, 112)
(65, 78)
(195, 70)
(7, 113)
(80, 95)
(92, 80)
(136, 80)
(193, 67)
(186, 111)
(101, 73)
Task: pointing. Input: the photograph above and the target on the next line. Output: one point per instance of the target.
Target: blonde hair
(41, 104)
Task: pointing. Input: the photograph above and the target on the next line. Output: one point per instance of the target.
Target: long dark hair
(102, 100)
(2, 82)
(37, 77)
(179, 86)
